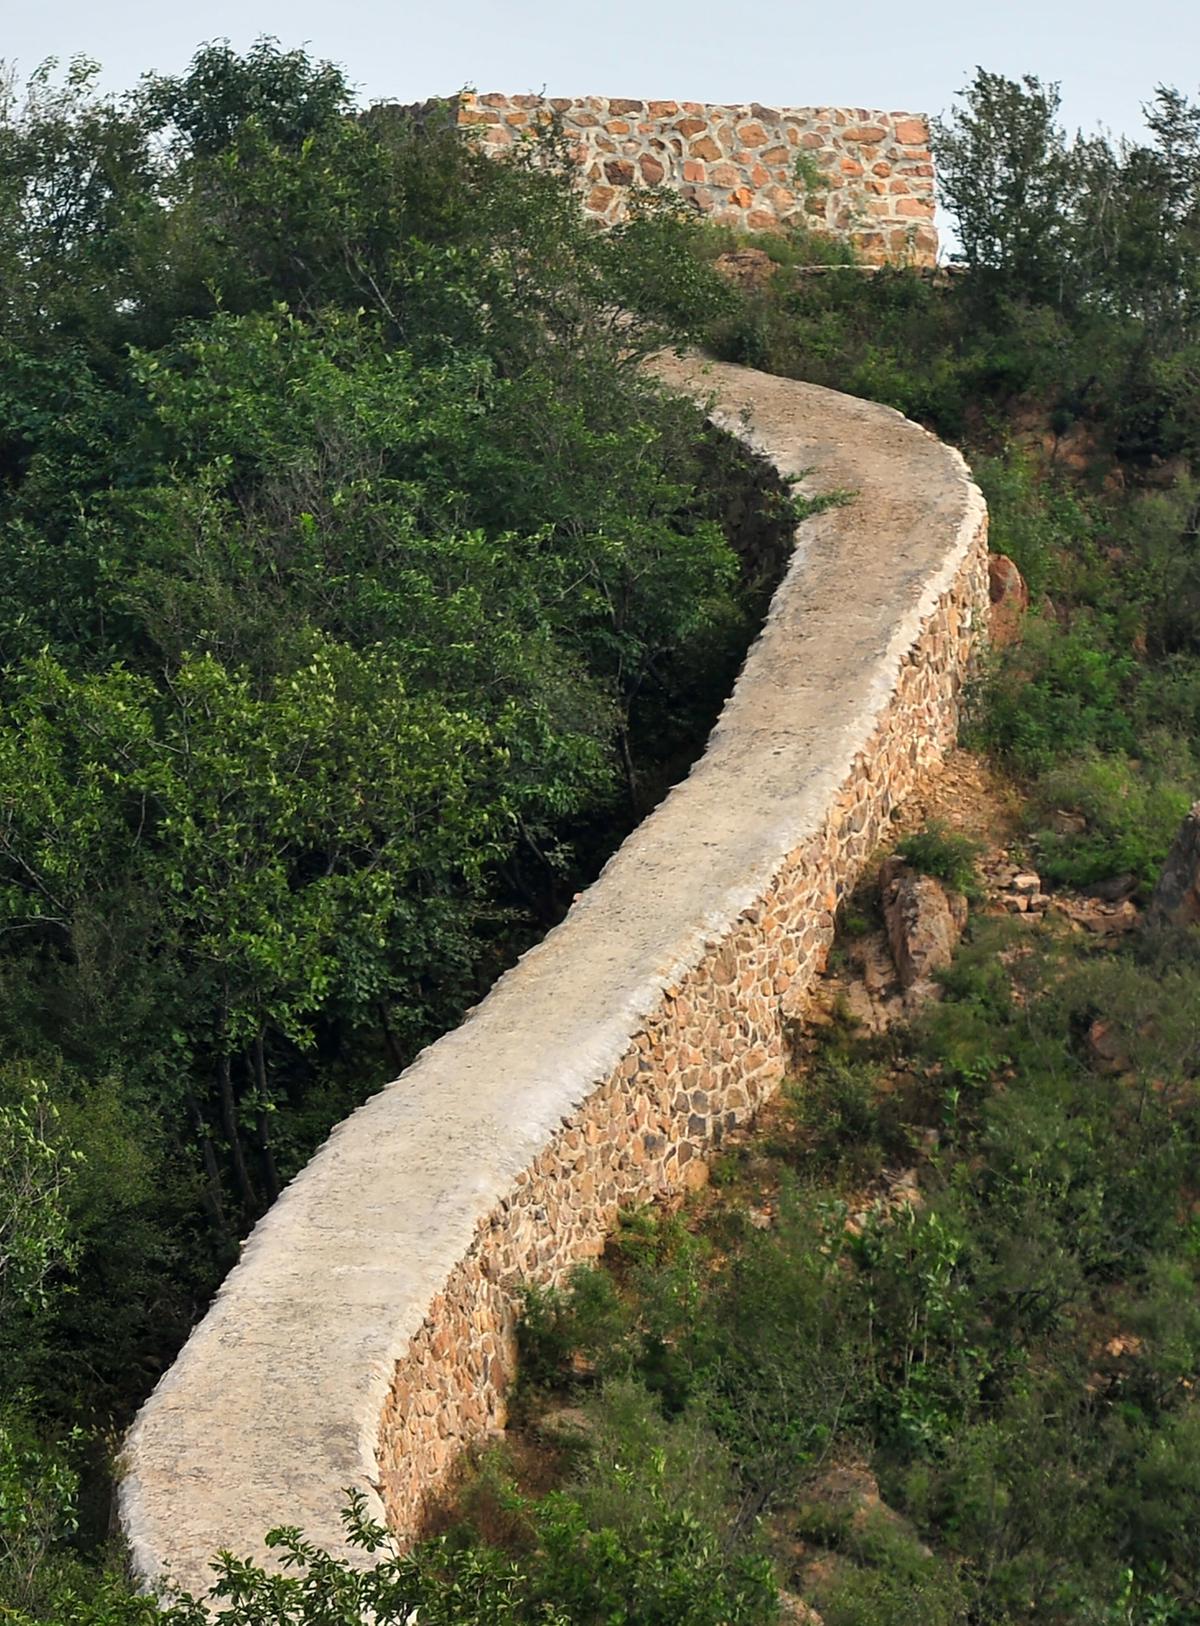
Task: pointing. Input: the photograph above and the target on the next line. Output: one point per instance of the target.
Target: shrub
(1059, 693)
(1132, 811)
(947, 854)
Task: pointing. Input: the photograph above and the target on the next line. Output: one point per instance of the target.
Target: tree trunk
(229, 1119)
(635, 800)
(211, 1195)
(264, 1122)
(389, 1036)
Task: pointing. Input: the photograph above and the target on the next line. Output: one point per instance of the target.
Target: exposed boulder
(747, 268)
(872, 996)
(1093, 915)
(853, 1490)
(847, 1495)
(924, 922)
(1176, 900)
(1113, 889)
(568, 1425)
(1010, 599)
(793, 1611)
(1064, 822)
(1105, 1050)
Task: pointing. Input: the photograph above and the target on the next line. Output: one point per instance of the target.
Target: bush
(356, 590)
(849, 1127)
(1059, 693)
(946, 854)
(1133, 811)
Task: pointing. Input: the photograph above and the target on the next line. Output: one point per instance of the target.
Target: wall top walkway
(273, 1407)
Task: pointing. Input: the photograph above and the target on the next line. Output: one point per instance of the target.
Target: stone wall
(366, 1336)
(847, 172)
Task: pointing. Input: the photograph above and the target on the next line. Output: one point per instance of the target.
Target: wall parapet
(367, 1334)
(845, 172)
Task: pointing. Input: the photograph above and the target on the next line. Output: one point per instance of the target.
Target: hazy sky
(1108, 54)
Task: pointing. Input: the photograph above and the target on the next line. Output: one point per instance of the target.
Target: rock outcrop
(1010, 600)
(924, 922)
(1176, 899)
(750, 269)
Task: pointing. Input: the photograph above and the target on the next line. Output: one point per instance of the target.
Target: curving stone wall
(366, 1335)
(865, 176)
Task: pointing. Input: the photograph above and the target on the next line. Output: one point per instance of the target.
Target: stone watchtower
(846, 172)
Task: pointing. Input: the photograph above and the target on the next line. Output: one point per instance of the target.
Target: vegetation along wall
(367, 1335)
(864, 176)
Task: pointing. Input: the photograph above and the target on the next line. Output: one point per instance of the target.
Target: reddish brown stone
(1009, 598)
(912, 132)
(690, 127)
(694, 170)
(752, 135)
(652, 170)
(704, 147)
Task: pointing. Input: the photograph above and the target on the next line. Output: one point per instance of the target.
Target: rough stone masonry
(845, 172)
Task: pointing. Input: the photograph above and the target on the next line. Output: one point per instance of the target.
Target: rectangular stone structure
(844, 172)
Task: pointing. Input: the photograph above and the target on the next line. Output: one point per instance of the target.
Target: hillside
(360, 594)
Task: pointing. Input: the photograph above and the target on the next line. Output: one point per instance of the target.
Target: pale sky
(1108, 54)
